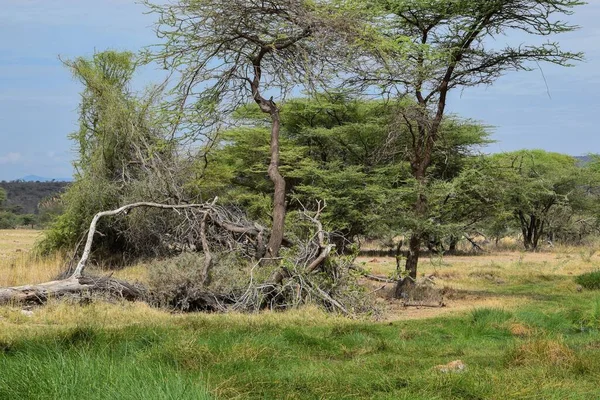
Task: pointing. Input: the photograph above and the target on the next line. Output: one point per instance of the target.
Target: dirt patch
(455, 301)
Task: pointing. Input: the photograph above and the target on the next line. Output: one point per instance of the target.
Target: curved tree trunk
(77, 282)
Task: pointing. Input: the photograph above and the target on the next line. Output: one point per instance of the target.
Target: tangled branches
(221, 266)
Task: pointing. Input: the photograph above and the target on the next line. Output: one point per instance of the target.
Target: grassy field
(518, 322)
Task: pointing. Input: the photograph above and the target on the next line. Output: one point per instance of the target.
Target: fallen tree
(304, 277)
(77, 283)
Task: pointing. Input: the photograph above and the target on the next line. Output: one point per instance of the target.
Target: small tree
(229, 51)
(541, 190)
(29, 220)
(119, 152)
(437, 46)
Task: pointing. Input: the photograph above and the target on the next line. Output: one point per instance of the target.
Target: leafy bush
(8, 220)
(590, 280)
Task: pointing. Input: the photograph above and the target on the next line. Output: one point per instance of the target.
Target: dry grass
(484, 280)
(543, 351)
(531, 335)
(58, 316)
(18, 264)
(473, 281)
(470, 272)
(17, 240)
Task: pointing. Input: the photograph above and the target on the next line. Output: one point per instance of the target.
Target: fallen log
(77, 282)
(365, 274)
(40, 293)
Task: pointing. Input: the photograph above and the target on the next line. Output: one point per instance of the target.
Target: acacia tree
(437, 46)
(228, 51)
(541, 190)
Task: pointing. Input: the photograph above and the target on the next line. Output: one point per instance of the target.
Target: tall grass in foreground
(300, 355)
(541, 340)
(94, 373)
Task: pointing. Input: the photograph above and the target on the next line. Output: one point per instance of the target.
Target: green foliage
(590, 280)
(105, 368)
(25, 197)
(120, 147)
(29, 219)
(548, 194)
(8, 220)
(340, 150)
(308, 355)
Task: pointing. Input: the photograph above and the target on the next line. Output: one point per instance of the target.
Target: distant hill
(23, 197)
(583, 160)
(35, 178)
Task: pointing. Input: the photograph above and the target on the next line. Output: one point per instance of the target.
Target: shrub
(175, 282)
(590, 280)
(8, 220)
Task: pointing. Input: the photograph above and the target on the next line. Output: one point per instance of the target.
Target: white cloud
(10, 158)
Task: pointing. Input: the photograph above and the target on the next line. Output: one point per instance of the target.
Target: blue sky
(38, 97)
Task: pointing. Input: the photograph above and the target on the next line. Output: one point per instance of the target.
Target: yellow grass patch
(18, 264)
(543, 351)
(520, 330)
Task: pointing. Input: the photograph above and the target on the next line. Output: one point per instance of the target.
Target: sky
(39, 98)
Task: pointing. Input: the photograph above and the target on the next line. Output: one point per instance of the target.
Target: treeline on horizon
(28, 203)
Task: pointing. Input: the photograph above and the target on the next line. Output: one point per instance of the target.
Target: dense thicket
(122, 158)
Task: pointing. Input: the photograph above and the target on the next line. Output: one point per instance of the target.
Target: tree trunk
(75, 285)
(399, 254)
(532, 231)
(452, 245)
(279, 191)
(414, 244)
(412, 261)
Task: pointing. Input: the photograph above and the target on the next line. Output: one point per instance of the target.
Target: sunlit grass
(524, 331)
(19, 265)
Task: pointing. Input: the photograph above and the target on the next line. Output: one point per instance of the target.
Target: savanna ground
(517, 320)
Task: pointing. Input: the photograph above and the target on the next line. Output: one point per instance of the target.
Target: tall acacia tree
(228, 51)
(432, 47)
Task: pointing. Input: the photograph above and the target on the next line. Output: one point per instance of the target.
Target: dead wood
(424, 305)
(40, 293)
(474, 244)
(365, 274)
(217, 229)
(77, 283)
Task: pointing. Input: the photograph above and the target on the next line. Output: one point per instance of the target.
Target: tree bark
(452, 245)
(74, 285)
(412, 261)
(78, 283)
(277, 229)
(414, 244)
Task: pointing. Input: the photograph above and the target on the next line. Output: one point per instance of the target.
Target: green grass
(92, 364)
(202, 356)
(544, 344)
(590, 280)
